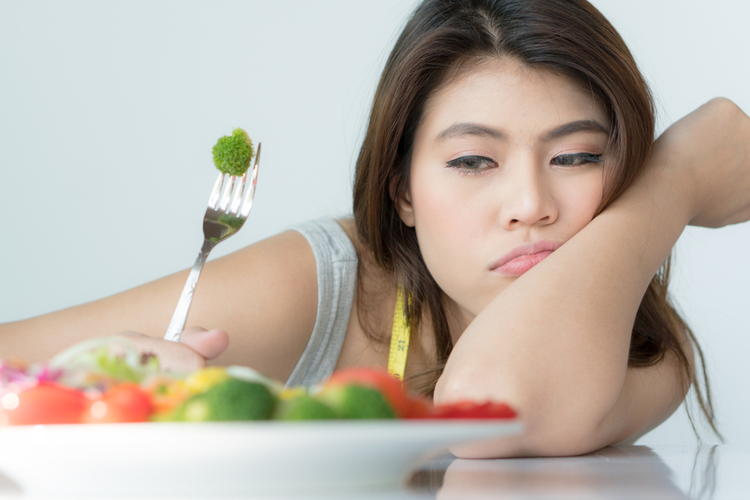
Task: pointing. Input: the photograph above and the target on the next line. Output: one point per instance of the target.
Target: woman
(508, 186)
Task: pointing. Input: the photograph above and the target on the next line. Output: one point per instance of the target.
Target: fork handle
(174, 330)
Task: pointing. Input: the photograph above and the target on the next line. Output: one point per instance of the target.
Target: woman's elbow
(550, 427)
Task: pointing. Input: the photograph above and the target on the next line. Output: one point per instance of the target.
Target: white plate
(223, 459)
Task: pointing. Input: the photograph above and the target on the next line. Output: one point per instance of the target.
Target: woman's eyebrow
(573, 127)
(468, 128)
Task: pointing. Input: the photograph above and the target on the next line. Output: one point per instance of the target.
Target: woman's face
(506, 162)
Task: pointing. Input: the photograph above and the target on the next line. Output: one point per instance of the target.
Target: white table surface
(628, 472)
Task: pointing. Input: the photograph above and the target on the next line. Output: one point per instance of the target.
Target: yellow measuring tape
(399, 339)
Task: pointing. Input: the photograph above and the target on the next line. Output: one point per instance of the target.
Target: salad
(110, 381)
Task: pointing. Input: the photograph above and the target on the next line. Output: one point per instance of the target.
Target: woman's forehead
(514, 97)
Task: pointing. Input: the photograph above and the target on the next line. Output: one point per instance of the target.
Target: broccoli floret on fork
(232, 153)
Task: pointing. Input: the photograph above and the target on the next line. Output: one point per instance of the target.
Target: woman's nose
(527, 200)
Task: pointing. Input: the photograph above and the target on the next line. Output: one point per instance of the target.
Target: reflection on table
(625, 472)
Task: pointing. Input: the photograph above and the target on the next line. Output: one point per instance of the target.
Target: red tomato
(48, 403)
(123, 403)
(472, 409)
(419, 408)
(378, 379)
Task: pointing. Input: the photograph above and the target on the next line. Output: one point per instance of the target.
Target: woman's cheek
(449, 231)
(441, 221)
(578, 200)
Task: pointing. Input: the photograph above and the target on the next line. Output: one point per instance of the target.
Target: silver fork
(228, 207)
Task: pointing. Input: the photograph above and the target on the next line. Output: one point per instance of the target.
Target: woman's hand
(708, 152)
(196, 346)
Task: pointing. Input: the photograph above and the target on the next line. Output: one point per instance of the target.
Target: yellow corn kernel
(205, 378)
(290, 393)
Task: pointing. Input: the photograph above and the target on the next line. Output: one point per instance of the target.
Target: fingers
(195, 347)
(207, 343)
(173, 356)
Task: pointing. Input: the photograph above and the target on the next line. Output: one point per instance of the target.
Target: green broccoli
(232, 399)
(304, 407)
(356, 401)
(232, 153)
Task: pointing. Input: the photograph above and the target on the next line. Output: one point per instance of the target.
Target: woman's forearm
(555, 343)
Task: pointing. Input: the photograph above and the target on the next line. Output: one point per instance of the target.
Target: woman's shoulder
(364, 254)
(350, 229)
(330, 238)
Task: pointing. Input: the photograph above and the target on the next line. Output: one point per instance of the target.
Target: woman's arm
(555, 343)
(263, 296)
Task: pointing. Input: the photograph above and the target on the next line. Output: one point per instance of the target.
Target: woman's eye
(472, 164)
(577, 159)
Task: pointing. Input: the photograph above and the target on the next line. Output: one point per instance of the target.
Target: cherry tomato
(123, 403)
(419, 408)
(472, 409)
(48, 403)
(378, 379)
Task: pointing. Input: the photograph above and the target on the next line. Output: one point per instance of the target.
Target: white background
(108, 112)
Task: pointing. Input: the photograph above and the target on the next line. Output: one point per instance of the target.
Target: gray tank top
(336, 261)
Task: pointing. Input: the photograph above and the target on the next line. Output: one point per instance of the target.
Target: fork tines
(227, 193)
(247, 202)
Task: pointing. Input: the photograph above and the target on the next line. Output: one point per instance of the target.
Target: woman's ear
(402, 200)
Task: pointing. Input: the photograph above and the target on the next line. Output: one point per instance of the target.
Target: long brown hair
(568, 37)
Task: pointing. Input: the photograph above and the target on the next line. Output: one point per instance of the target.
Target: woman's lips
(524, 257)
(520, 265)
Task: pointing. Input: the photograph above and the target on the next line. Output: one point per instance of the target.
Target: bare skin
(261, 302)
